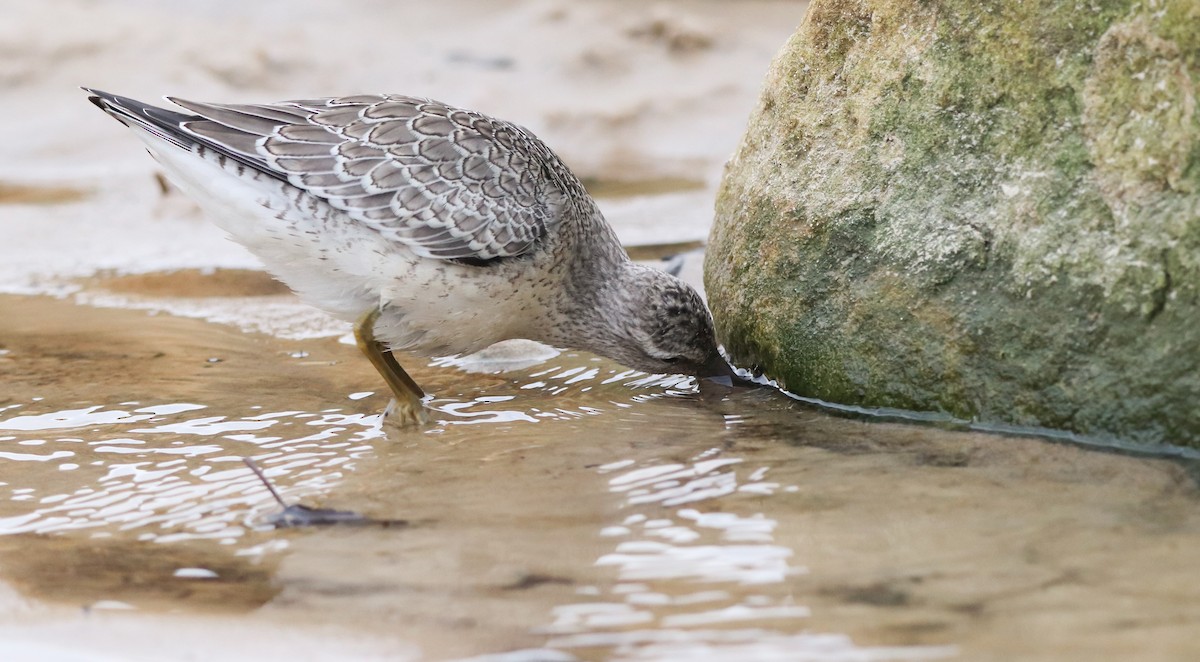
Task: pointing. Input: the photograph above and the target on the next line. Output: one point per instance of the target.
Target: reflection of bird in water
(436, 230)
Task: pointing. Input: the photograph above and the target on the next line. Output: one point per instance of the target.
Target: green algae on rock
(987, 210)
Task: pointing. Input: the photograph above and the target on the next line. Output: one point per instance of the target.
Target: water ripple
(685, 564)
(176, 476)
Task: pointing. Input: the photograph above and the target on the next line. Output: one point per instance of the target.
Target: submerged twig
(297, 515)
(266, 483)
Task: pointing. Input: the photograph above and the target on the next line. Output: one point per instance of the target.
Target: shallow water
(571, 509)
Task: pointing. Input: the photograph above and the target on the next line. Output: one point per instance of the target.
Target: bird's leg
(409, 409)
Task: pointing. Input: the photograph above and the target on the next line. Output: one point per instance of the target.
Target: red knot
(436, 230)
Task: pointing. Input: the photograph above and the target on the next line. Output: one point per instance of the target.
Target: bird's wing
(448, 183)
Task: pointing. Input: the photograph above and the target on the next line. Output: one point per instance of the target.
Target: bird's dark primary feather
(170, 125)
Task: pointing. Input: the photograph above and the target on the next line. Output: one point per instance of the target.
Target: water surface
(570, 509)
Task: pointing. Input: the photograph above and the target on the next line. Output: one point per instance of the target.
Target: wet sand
(628, 520)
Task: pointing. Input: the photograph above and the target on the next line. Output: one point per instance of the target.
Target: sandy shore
(645, 103)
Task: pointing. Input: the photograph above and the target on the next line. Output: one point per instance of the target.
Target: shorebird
(434, 229)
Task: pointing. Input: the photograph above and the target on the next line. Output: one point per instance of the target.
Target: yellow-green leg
(408, 410)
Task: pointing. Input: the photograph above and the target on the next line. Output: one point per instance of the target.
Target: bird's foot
(405, 413)
(406, 409)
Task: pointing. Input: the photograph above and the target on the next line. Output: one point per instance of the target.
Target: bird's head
(664, 326)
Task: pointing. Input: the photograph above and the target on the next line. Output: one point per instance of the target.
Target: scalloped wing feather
(448, 183)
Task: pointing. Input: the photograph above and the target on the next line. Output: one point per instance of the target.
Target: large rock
(986, 209)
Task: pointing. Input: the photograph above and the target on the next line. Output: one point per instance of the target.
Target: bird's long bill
(718, 371)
